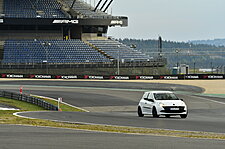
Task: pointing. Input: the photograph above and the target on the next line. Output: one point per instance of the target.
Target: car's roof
(159, 92)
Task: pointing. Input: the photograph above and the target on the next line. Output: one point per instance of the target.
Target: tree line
(194, 55)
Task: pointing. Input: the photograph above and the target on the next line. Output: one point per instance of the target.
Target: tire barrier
(33, 100)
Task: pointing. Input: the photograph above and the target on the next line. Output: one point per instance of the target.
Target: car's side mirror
(151, 100)
(182, 99)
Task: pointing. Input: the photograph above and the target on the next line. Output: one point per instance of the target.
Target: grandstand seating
(1, 7)
(29, 34)
(116, 49)
(87, 10)
(50, 51)
(32, 9)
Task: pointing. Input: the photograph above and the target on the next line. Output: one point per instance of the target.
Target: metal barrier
(33, 100)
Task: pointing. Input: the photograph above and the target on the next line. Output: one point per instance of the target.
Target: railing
(29, 99)
(128, 63)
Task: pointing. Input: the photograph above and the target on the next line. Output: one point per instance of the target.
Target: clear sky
(177, 20)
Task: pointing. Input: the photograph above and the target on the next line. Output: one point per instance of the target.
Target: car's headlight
(161, 104)
(183, 104)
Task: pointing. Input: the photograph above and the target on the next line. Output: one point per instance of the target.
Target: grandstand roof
(56, 11)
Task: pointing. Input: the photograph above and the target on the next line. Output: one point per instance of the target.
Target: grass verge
(6, 117)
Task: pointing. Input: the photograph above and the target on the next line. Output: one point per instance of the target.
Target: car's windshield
(165, 96)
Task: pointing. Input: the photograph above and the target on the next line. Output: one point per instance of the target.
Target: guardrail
(33, 100)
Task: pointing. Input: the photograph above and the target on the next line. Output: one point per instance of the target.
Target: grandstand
(32, 9)
(63, 32)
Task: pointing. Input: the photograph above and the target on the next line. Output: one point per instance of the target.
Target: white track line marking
(205, 98)
(8, 109)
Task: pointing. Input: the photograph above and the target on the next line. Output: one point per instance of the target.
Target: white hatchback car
(158, 103)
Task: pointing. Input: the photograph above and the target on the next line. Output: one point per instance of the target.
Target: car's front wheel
(140, 114)
(183, 115)
(154, 112)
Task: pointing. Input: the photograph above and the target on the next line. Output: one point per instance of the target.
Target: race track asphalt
(205, 114)
(117, 102)
(26, 137)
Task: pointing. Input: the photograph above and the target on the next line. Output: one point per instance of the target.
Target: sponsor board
(41, 76)
(192, 77)
(93, 77)
(144, 77)
(119, 78)
(169, 77)
(213, 77)
(66, 77)
(12, 76)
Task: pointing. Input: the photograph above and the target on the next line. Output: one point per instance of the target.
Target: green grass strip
(20, 104)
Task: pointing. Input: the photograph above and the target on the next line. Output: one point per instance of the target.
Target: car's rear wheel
(183, 115)
(140, 114)
(154, 112)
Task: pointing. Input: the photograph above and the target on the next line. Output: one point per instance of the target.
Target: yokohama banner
(97, 77)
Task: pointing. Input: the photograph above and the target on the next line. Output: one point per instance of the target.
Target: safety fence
(29, 99)
(156, 62)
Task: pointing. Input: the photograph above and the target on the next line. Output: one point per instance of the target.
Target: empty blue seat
(32, 9)
(39, 51)
(117, 50)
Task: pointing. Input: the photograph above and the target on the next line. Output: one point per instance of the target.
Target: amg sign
(65, 22)
(116, 22)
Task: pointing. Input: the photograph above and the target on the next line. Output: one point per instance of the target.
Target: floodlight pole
(45, 46)
(160, 46)
(118, 61)
(212, 67)
(177, 51)
(194, 67)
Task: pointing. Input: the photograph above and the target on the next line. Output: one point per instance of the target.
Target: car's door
(147, 104)
(143, 102)
(150, 103)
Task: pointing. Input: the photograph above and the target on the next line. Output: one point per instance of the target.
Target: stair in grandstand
(99, 50)
(65, 8)
(117, 50)
(50, 51)
(86, 9)
(1, 49)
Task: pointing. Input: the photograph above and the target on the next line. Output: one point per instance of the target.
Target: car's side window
(150, 96)
(145, 96)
